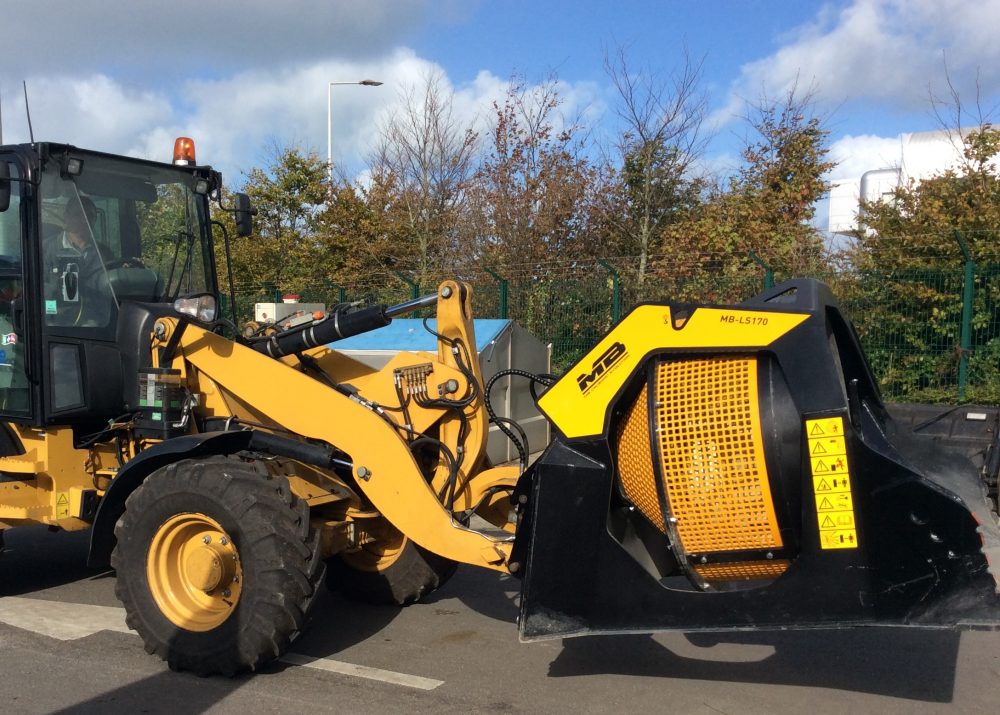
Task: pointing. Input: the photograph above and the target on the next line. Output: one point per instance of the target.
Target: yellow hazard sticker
(826, 446)
(828, 427)
(831, 478)
(831, 464)
(62, 505)
(838, 539)
(832, 484)
(832, 501)
(836, 520)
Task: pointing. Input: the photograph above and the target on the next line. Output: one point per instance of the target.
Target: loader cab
(84, 234)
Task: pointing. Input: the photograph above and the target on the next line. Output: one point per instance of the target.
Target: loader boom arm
(383, 463)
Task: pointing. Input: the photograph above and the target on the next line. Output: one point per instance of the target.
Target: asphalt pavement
(65, 649)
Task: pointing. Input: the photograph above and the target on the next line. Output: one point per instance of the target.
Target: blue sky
(241, 77)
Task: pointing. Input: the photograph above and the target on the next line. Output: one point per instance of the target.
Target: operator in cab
(76, 283)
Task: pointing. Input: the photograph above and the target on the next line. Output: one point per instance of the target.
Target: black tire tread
(415, 574)
(274, 528)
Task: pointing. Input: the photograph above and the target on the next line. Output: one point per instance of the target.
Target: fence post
(768, 271)
(616, 291)
(965, 337)
(341, 292)
(503, 292)
(414, 287)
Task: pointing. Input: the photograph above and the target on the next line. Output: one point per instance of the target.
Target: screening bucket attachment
(735, 467)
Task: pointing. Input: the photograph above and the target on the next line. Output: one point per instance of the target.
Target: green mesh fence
(910, 323)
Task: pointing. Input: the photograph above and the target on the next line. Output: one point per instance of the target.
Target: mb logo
(608, 359)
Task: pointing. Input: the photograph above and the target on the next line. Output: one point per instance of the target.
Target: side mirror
(244, 215)
(4, 186)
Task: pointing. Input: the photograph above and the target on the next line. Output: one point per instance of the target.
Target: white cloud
(236, 119)
(182, 38)
(855, 155)
(881, 52)
(95, 110)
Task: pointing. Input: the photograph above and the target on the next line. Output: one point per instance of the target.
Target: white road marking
(70, 621)
(62, 621)
(362, 671)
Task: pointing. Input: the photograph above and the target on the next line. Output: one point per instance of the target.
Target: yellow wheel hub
(383, 546)
(194, 572)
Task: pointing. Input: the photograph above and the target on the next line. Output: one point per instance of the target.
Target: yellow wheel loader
(713, 467)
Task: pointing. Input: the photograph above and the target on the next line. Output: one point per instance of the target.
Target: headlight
(200, 307)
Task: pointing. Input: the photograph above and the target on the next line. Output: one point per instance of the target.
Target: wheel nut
(227, 593)
(224, 541)
(206, 539)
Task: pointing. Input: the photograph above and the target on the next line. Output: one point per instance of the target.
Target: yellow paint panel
(577, 403)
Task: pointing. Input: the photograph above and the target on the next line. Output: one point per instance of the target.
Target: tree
(426, 155)
(910, 249)
(662, 138)
(764, 209)
(532, 199)
(364, 232)
(916, 227)
(781, 181)
(288, 195)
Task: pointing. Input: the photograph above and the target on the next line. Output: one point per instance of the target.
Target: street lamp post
(329, 119)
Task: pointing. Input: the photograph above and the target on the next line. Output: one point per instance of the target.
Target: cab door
(18, 389)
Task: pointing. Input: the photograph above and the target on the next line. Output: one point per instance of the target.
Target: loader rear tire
(390, 571)
(217, 565)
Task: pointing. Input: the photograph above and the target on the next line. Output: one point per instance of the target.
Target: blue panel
(409, 334)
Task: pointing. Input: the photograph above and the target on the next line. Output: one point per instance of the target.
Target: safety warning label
(834, 502)
(62, 505)
(846, 539)
(828, 427)
(831, 483)
(830, 445)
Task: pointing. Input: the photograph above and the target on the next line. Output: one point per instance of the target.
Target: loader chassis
(221, 476)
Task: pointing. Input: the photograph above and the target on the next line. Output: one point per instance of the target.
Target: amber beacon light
(184, 151)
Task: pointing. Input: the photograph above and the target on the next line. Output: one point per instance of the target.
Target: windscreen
(115, 230)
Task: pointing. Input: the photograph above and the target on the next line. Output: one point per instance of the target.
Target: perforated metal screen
(712, 455)
(635, 463)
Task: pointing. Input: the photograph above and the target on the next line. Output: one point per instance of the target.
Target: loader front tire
(217, 565)
(391, 570)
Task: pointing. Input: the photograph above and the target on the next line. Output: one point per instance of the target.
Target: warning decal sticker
(62, 505)
(831, 483)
